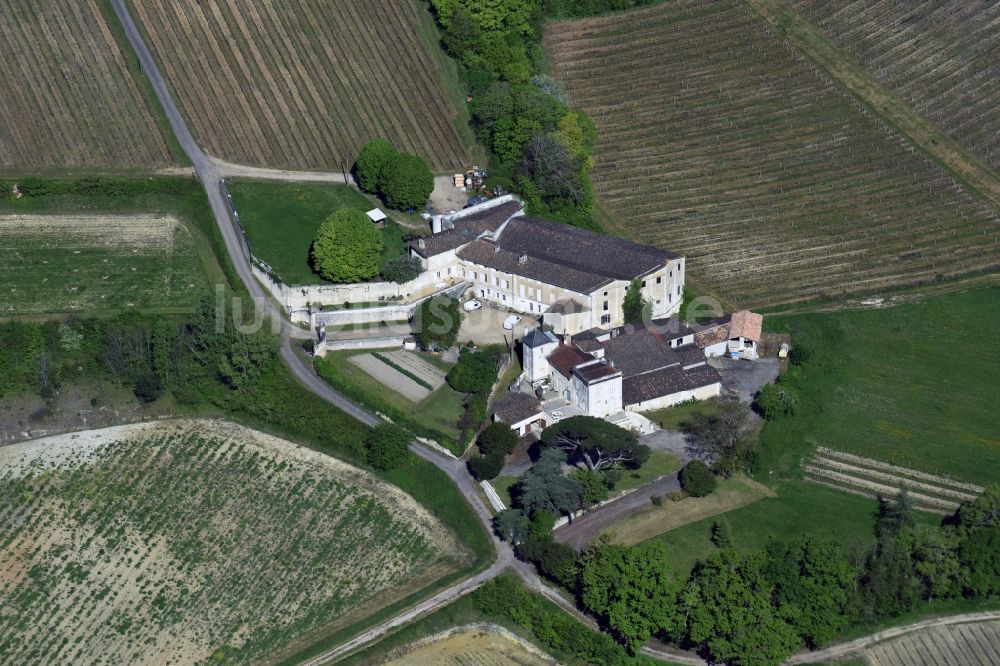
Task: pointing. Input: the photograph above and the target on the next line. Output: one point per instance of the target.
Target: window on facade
(605, 306)
(659, 279)
(606, 319)
(439, 273)
(605, 293)
(475, 276)
(678, 290)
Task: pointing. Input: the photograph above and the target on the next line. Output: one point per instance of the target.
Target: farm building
(575, 279)
(520, 411)
(739, 337)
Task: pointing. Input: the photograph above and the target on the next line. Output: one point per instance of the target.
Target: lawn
(436, 416)
(800, 508)
(503, 484)
(659, 464)
(672, 418)
(281, 220)
(913, 385)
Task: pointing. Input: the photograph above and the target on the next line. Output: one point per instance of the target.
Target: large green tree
(729, 614)
(373, 164)
(595, 443)
(544, 487)
(347, 247)
(437, 322)
(408, 182)
(979, 542)
(632, 589)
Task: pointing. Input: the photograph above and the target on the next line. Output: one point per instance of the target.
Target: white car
(472, 306)
(510, 322)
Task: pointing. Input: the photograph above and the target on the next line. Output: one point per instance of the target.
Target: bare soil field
(967, 644)
(303, 84)
(86, 263)
(69, 97)
(942, 57)
(394, 379)
(471, 645)
(717, 139)
(194, 540)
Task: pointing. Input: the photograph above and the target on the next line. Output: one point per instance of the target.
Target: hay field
(81, 263)
(184, 541)
(68, 96)
(303, 83)
(942, 57)
(717, 140)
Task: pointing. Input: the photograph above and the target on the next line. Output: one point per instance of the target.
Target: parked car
(472, 306)
(510, 322)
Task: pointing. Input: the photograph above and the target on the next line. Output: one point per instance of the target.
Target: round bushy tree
(408, 182)
(497, 438)
(385, 446)
(487, 467)
(373, 164)
(697, 479)
(347, 247)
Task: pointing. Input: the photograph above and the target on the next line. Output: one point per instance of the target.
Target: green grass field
(101, 246)
(800, 509)
(281, 220)
(659, 463)
(914, 385)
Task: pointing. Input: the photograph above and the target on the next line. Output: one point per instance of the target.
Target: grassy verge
(140, 77)
(503, 484)
(659, 464)
(672, 418)
(281, 220)
(435, 417)
(656, 520)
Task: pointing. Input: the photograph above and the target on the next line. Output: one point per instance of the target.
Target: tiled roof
(666, 381)
(596, 372)
(565, 358)
(467, 229)
(712, 336)
(516, 407)
(635, 353)
(689, 355)
(746, 324)
(608, 256)
(486, 253)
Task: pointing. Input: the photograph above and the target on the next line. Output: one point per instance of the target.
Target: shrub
(497, 438)
(402, 269)
(386, 446)
(775, 400)
(347, 247)
(697, 479)
(485, 468)
(476, 371)
(437, 323)
(148, 388)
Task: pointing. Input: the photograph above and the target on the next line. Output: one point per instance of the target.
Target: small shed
(377, 216)
(459, 180)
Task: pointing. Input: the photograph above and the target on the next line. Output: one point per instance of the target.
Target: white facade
(701, 393)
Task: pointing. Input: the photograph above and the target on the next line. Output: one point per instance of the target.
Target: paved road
(589, 526)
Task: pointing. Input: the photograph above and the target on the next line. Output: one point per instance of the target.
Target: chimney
(421, 243)
(496, 249)
(522, 260)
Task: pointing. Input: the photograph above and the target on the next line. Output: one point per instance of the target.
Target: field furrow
(717, 140)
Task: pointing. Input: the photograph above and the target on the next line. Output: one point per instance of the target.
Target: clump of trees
(697, 479)
(347, 247)
(474, 374)
(401, 179)
(386, 446)
(438, 321)
(495, 443)
(722, 437)
(541, 147)
(760, 605)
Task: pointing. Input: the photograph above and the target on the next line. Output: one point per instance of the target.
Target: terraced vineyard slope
(942, 57)
(303, 83)
(195, 542)
(68, 96)
(718, 140)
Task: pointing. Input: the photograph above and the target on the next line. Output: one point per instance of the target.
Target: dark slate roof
(582, 250)
(536, 337)
(597, 372)
(525, 264)
(635, 353)
(516, 407)
(592, 334)
(666, 381)
(467, 229)
(650, 385)
(565, 358)
(587, 344)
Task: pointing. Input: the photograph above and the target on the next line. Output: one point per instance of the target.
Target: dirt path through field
(918, 130)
